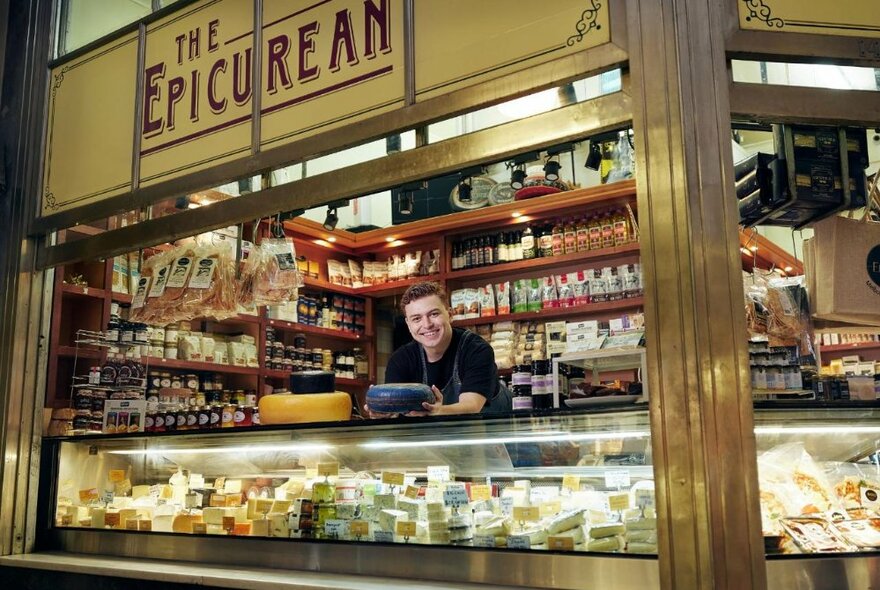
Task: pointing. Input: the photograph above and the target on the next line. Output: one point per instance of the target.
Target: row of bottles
(564, 236)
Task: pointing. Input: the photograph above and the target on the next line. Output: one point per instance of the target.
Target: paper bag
(843, 266)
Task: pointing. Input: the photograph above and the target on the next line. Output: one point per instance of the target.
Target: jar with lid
(299, 340)
(361, 365)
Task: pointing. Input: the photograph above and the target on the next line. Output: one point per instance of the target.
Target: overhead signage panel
(855, 18)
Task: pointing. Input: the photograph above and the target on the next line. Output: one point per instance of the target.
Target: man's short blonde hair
(420, 290)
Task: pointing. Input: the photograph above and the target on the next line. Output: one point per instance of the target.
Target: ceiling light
(594, 158)
(532, 104)
(788, 269)
(331, 220)
(405, 202)
(331, 239)
(516, 214)
(753, 248)
(302, 447)
(551, 170)
(389, 239)
(518, 177)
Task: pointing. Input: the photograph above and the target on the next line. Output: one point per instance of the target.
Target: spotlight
(518, 177)
(594, 158)
(551, 170)
(331, 220)
(464, 190)
(405, 203)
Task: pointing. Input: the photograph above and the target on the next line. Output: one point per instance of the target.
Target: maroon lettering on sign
(343, 38)
(217, 105)
(377, 17)
(194, 44)
(306, 48)
(194, 96)
(279, 47)
(239, 94)
(213, 45)
(176, 89)
(179, 40)
(152, 95)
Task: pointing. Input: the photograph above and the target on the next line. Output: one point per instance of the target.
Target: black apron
(501, 403)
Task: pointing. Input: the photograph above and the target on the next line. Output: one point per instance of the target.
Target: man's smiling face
(429, 323)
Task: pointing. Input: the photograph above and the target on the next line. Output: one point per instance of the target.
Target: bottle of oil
(595, 232)
(607, 230)
(621, 227)
(558, 238)
(569, 233)
(583, 235)
(527, 242)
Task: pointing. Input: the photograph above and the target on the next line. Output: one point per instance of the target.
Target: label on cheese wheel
(526, 513)
(406, 528)
(393, 478)
(89, 495)
(200, 528)
(111, 519)
(481, 492)
(617, 502)
(484, 541)
(131, 524)
(438, 473)
(328, 469)
(519, 542)
(560, 543)
(571, 482)
(383, 537)
(117, 475)
(359, 528)
(412, 492)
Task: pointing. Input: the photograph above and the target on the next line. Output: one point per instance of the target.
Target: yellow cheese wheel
(281, 408)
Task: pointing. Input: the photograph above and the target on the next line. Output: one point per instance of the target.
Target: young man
(457, 364)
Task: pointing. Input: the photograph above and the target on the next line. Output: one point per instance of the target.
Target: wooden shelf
(120, 297)
(556, 312)
(849, 347)
(83, 352)
(241, 318)
(77, 291)
(394, 287)
(315, 330)
(327, 286)
(159, 363)
(545, 262)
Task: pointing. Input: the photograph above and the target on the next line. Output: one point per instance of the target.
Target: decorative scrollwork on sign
(50, 200)
(586, 23)
(760, 11)
(59, 78)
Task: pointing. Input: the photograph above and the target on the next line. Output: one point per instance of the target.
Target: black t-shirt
(476, 365)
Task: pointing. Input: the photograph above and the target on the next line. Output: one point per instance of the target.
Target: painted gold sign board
(854, 18)
(197, 98)
(90, 127)
(460, 43)
(324, 64)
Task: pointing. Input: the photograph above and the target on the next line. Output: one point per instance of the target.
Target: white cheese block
(260, 527)
(606, 530)
(647, 536)
(576, 533)
(280, 506)
(411, 507)
(483, 516)
(346, 511)
(139, 491)
(498, 526)
(388, 519)
(98, 516)
(641, 548)
(163, 523)
(642, 524)
(605, 544)
(536, 535)
(240, 513)
(213, 515)
(369, 512)
(565, 521)
(215, 529)
(385, 501)
(278, 525)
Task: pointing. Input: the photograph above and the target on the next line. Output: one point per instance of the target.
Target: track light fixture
(518, 177)
(331, 220)
(594, 158)
(405, 202)
(551, 169)
(464, 190)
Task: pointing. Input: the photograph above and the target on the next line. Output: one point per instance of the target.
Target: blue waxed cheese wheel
(398, 398)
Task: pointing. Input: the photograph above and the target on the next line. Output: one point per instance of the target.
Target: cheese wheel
(282, 408)
(398, 398)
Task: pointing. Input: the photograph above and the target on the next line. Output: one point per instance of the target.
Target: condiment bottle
(583, 235)
(621, 228)
(527, 243)
(569, 233)
(595, 229)
(558, 239)
(546, 241)
(608, 231)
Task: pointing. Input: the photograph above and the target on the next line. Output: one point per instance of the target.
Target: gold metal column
(701, 415)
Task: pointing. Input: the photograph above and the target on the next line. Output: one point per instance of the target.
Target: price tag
(200, 528)
(393, 478)
(455, 496)
(551, 507)
(618, 478)
(383, 537)
(484, 541)
(232, 486)
(645, 499)
(412, 492)
(526, 513)
(117, 475)
(571, 482)
(406, 528)
(145, 525)
(618, 502)
(328, 469)
(518, 542)
(107, 497)
(197, 481)
(228, 523)
(481, 492)
(336, 528)
(560, 543)
(507, 506)
(131, 524)
(359, 528)
(89, 495)
(111, 519)
(438, 473)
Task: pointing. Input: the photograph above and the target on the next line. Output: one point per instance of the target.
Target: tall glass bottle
(527, 243)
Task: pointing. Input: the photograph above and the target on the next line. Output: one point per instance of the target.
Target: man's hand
(430, 409)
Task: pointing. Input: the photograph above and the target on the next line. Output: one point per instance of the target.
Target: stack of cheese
(641, 535)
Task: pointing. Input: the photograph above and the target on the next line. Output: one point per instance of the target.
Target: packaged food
(815, 535)
(564, 291)
(863, 533)
(334, 272)
(380, 272)
(521, 295)
(472, 303)
(271, 275)
(458, 305)
(536, 299)
(356, 272)
(502, 298)
(430, 263)
(412, 262)
(486, 297)
(598, 286)
(369, 278)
